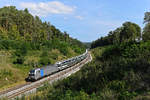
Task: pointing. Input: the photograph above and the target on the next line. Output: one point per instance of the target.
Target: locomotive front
(32, 75)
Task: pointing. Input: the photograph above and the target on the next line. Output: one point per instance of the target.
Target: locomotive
(38, 73)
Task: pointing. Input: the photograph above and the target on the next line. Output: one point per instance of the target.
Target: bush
(19, 60)
(45, 61)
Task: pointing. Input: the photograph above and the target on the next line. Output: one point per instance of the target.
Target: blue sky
(85, 20)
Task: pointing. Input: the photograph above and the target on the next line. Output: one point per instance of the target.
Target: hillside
(120, 70)
(87, 44)
(116, 73)
(26, 42)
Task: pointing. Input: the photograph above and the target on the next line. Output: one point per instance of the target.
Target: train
(39, 73)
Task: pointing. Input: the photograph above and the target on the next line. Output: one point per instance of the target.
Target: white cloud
(47, 8)
(79, 17)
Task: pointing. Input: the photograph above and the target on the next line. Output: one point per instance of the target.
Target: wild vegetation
(26, 42)
(120, 69)
(127, 32)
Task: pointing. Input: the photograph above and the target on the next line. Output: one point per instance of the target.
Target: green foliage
(45, 61)
(20, 25)
(19, 60)
(127, 95)
(129, 32)
(5, 73)
(22, 32)
(147, 17)
(44, 53)
(146, 32)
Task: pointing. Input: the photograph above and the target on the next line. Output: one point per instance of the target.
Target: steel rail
(17, 91)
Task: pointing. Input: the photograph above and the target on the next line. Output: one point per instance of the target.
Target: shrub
(45, 61)
(19, 60)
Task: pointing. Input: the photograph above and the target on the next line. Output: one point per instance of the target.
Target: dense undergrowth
(117, 72)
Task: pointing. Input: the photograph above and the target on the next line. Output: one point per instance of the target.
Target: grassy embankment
(12, 74)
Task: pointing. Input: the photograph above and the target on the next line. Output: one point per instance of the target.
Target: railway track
(14, 88)
(31, 87)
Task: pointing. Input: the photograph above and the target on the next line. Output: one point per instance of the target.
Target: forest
(26, 42)
(120, 69)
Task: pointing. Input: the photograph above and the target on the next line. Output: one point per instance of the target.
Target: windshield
(31, 74)
(32, 71)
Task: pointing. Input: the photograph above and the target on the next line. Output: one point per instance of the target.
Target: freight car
(38, 73)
